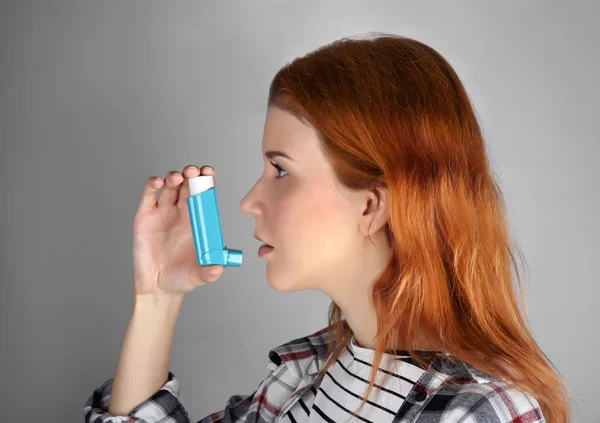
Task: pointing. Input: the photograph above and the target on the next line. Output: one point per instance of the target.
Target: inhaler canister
(205, 218)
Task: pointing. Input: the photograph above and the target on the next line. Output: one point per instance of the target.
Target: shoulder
(496, 402)
(481, 398)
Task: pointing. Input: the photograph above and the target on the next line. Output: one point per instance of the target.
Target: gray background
(97, 96)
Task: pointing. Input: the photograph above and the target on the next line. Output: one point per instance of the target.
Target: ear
(375, 210)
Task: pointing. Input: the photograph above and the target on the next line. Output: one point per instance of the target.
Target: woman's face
(302, 211)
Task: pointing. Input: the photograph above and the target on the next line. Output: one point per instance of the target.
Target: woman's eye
(279, 168)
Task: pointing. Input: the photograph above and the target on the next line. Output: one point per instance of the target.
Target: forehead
(285, 132)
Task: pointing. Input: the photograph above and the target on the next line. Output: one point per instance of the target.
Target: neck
(354, 299)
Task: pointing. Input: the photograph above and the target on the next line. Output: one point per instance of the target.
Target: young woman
(377, 191)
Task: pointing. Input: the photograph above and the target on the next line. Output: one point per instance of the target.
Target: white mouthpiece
(200, 184)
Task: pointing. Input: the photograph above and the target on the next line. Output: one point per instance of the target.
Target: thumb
(209, 273)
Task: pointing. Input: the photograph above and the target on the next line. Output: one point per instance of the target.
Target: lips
(268, 245)
(264, 249)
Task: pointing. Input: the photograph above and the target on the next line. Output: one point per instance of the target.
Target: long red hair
(390, 108)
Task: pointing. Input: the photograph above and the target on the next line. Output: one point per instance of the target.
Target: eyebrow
(271, 154)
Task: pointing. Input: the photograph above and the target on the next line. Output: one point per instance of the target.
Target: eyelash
(279, 168)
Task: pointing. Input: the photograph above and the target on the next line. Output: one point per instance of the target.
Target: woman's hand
(164, 256)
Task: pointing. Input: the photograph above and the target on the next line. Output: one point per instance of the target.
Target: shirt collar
(305, 356)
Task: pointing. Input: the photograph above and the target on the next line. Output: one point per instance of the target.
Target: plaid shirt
(294, 367)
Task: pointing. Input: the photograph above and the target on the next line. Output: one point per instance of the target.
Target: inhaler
(203, 207)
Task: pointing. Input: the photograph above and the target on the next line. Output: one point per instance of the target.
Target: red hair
(392, 109)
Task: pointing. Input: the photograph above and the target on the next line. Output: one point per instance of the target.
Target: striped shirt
(345, 383)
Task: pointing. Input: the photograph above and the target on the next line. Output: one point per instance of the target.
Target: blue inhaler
(205, 218)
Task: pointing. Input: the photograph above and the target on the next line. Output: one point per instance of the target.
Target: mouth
(264, 249)
(264, 243)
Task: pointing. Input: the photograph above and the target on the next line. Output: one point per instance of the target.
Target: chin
(281, 285)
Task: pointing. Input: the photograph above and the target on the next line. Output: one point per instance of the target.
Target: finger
(212, 273)
(170, 191)
(149, 191)
(190, 171)
(209, 170)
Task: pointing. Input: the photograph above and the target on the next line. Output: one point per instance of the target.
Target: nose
(247, 204)
(253, 203)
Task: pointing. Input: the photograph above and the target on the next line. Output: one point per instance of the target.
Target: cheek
(305, 213)
(315, 223)
(314, 234)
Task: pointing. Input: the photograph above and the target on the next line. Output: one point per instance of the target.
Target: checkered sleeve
(164, 406)
(261, 406)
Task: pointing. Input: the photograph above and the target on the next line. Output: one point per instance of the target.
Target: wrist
(158, 301)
